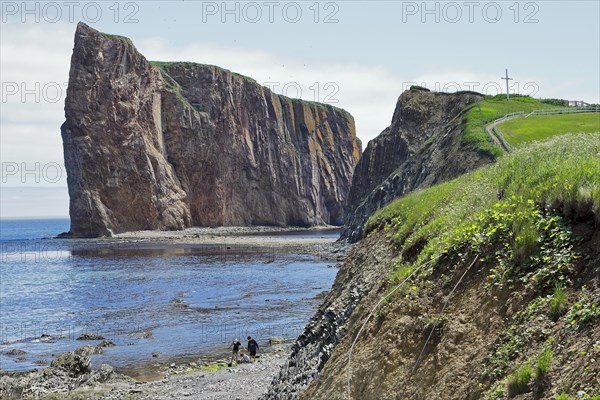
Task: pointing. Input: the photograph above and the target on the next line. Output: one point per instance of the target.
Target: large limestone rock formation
(172, 145)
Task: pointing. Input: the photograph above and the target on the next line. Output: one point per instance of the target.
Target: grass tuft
(564, 396)
(557, 303)
(518, 383)
(543, 364)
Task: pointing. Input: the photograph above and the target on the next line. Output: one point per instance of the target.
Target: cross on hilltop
(507, 79)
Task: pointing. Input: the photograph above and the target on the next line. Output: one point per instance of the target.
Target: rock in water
(15, 352)
(165, 146)
(90, 336)
(73, 364)
(87, 350)
(422, 147)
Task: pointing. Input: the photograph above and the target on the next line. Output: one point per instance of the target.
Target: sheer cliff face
(172, 145)
(421, 148)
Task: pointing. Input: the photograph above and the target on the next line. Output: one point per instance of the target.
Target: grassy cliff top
(491, 108)
(168, 64)
(119, 37)
(164, 66)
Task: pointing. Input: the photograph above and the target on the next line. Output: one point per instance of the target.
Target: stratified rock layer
(422, 147)
(165, 146)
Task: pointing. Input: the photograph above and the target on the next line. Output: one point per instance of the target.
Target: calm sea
(147, 296)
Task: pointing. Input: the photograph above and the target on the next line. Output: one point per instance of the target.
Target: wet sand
(318, 241)
(246, 236)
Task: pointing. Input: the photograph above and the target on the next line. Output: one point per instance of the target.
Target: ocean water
(147, 296)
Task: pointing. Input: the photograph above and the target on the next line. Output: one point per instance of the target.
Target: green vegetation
(509, 347)
(496, 392)
(164, 67)
(583, 313)
(556, 102)
(167, 64)
(489, 109)
(511, 343)
(518, 383)
(214, 367)
(111, 36)
(543, 364)
(163, 64)
(564, 396)
(557, 303)
(540, 127)
(523, 233)
(516, 215)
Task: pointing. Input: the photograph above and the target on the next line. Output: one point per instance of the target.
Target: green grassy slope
(518, 217)
(489, 109)
(540, 127)
(513, 199)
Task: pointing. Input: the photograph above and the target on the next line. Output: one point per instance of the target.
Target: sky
(358, 55)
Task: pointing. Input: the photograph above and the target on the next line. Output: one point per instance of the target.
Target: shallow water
(148, 297)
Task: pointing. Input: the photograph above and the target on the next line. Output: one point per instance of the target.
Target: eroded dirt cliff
(172, 145)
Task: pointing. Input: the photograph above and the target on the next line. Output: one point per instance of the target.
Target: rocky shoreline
(70, 376)
(214, 381)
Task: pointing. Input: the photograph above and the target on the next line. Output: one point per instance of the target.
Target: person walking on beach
(234, 354)
(252, 348)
